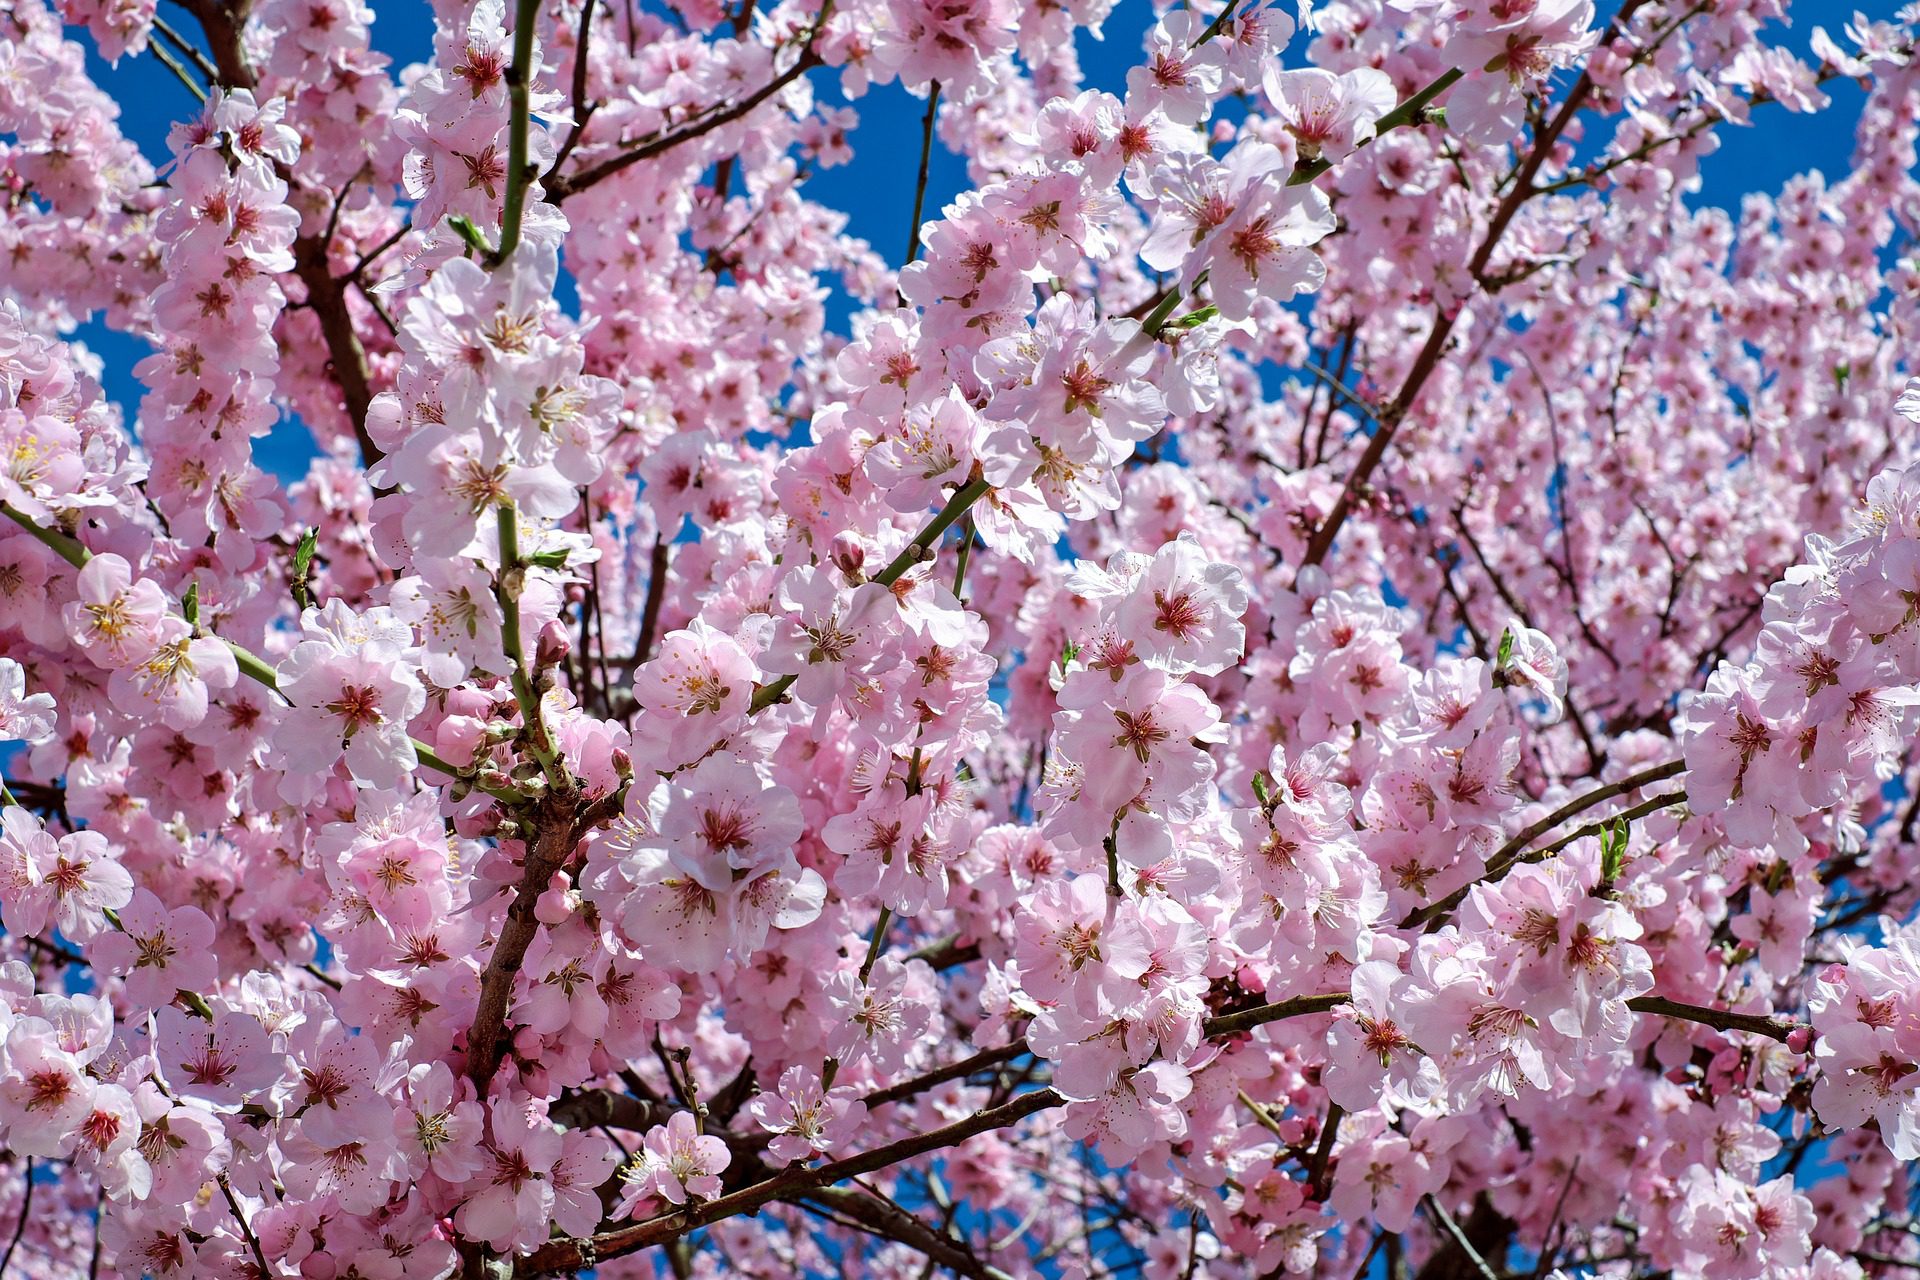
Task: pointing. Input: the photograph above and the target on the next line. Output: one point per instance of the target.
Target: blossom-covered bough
(1320, 680)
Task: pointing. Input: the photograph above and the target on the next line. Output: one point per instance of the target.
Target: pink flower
(116, 619)
(45, 1092)
(171, 683)
(1077, 385)
(1328, 115)
(1184, 612)
(24, 717)
(675, 1163)
(351, 693)
(1178, 78)
(223, 1064)
(1370, 1057)
(1123, 739)
(159, 950)
(692, 693)
(440, 1128)
(804, 1119)
(586, 1160)
(881, 1019)
(515, 1202)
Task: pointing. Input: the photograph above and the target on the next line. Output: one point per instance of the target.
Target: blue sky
(876, 189)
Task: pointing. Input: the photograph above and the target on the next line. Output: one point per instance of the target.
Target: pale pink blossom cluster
(1318, 679)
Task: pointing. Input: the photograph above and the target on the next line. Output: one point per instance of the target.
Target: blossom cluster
(1320, 678)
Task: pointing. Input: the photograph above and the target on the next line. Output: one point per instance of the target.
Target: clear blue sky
(876, 189)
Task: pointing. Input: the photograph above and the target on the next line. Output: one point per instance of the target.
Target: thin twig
(926, 164)
(26, 1210)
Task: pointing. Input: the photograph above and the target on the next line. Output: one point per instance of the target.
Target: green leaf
(464, 228)
(1613, 849)
(1195, 318)
(1506, 650)
(549, 559)
(302, 564)
(1263, 789)
(190, 605)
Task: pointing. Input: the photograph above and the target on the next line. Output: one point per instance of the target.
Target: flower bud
(553, 646)
(848, 555)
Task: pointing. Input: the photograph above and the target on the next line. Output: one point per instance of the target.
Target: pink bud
(458, 737)
(554, 905)
(847, 554)
(554, 645)
(467, 701)
(1800, 1039)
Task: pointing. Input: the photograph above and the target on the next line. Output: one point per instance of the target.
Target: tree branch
(1509, 854)
(566, 185)
(892, 1222)
(1720, 1019)
(1429, 357)
(326, 294)
(561, 1256)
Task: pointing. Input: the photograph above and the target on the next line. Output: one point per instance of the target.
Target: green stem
(875, 943)
(519, 172)
(172, 64)
(1157, 318)
(1218, 24)
(506, 590)
(68, 549)
(440, 764)
(961, 555)
(1408, 112)
(251, 664)
(963, 498)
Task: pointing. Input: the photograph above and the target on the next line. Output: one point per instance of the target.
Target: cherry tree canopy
(1319, 678)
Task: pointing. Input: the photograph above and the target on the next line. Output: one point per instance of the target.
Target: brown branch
(1317, 1170)
(555, 831)
(565, 185)
(891, 1222)
(947, 953)
(326, 294)
(26, 1209)
(656, 592)
(1260, 1015)
(940, 1075)
(591, 1108)
(1720, 1019)
(572, 1255)
(246, 1228)
(582, 109)
(1510, 854)
(564, 1256)
(926, 164)
(1429, 357)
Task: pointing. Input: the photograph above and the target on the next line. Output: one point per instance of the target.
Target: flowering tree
(1323, 682)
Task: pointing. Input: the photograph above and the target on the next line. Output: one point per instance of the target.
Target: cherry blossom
(1309, 667)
